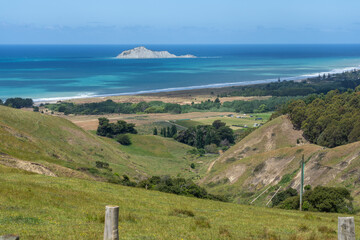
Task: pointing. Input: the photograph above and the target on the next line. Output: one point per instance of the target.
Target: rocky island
(142, 52)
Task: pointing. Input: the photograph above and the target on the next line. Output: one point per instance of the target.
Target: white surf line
(214, 85)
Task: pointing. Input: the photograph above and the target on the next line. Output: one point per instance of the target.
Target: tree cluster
(257, 106)
(168, 132)
(179, 186)
(108, 107)
(200, 136)
(110, 130)
(18, 102)
(282, 196)
(320, 199)
(317, 85)
(328, 120)
(174, 185)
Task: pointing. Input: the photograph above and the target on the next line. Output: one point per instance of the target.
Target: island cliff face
(142, 52)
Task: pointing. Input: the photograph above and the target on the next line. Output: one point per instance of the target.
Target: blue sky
(178, 21)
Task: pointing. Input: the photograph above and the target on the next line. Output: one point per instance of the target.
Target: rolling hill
(56, 147)
(270, 157)
(63, 201)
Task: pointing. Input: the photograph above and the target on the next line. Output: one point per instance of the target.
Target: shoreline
(186, 90)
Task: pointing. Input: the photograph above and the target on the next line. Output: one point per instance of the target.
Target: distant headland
(142, 52)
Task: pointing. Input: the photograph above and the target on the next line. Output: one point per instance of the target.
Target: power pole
(302, 181)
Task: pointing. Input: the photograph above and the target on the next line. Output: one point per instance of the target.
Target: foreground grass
(40, 207)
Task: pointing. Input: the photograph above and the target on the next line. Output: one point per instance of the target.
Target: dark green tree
(218, 124)
(168, 132)
(19, 102)
(290, 192)
(173, 130)
(108, 129)
(104, 127)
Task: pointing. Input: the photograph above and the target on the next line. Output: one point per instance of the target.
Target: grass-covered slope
(54, 141)
(41, 207)
(271, 155)
(157, 155)
(64, 149)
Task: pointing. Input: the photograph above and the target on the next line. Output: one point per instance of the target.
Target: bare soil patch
(27, 166)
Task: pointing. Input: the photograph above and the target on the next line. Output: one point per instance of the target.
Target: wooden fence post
(9, 237)
(346, 228)
(111, 230)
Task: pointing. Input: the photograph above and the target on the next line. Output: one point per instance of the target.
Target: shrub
(212, 148)
(179, 186)
(306, 206)
(290, 192)
(123, 139)
(202, 222)
(269, 235)
(322, 199)
(259, 167)
(181, 212)
(230, 160)
(100, 164)
(224, 231)
(303, 228)
(326, 230)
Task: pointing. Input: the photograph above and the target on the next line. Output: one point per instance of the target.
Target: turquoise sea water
(48, 72)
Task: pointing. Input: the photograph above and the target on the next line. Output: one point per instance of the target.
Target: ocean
(55, 72)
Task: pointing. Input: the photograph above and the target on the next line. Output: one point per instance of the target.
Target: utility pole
(302, 181)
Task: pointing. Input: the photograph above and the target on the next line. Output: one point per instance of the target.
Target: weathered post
(111, 230)
(346, 228)
(9, 237)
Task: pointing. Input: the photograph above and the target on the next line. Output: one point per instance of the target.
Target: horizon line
(141, 44)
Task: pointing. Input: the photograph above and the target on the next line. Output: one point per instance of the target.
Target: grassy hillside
(64, 149)
(42, 207)
(158, 156)
(271, 155)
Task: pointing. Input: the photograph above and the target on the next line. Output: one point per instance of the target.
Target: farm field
(179, 97)
(90, 122)
(235, 121)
